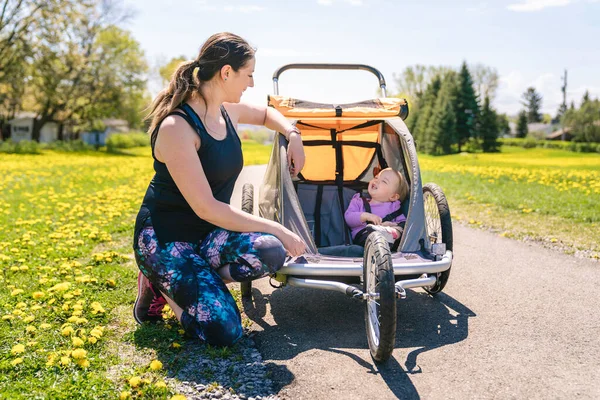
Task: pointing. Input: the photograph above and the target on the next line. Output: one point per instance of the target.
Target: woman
(188, 240)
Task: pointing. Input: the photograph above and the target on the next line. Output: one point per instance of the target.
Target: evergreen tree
(488, 127)
(440, 133)
(532, 101)
(503, 125)
(466, 108)
(522, 129)
(426, 106)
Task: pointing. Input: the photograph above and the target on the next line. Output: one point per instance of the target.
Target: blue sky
(529, 42)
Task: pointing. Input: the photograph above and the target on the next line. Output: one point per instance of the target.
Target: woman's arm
(274, 120)
(177, 145)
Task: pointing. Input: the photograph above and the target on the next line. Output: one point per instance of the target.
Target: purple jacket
(356, 208)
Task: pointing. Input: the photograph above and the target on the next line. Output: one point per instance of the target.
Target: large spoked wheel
(439, 227)
(379, 286)
(247, 206)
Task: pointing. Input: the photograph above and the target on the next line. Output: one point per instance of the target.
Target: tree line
(70, 62)
(451, 109)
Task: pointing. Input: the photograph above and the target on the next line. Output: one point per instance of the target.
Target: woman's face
(238, 82)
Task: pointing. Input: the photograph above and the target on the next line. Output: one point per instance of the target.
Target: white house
(21, 128)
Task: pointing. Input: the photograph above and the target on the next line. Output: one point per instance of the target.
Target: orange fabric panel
(320, 160)
(295, 108)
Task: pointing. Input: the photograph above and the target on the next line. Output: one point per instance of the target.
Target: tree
(522, 129)
(440, 134)
(85, 68)
(485, 80)
(167, 70)
(532, 101)
(426, 108)
(585, 121)
(488, 128)
(503, 125)
(466, 107)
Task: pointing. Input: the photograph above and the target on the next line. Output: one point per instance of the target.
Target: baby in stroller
(382, 211)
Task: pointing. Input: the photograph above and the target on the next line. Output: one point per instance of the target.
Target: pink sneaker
(149, 302)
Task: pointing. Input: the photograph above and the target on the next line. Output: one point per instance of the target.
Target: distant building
(21, 128)
(561, 134)
(113, 126)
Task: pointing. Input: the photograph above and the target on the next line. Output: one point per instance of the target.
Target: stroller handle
(363, 67)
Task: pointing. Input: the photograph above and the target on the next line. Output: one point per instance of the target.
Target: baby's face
(384, 186)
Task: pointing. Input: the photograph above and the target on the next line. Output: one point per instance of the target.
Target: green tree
(532, 101)
(440, 133)
(466, 107)
(426, 108)
(585, 121)
(86, 68)
(488, 127)
(167, 70)
(503, 125)
(522, 129)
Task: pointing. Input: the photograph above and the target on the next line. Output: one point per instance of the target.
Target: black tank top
(172, 217)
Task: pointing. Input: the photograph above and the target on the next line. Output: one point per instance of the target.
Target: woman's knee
(223, 333)
(270, 251)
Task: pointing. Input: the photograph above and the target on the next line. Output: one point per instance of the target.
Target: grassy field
(550, 196)
(68, 279)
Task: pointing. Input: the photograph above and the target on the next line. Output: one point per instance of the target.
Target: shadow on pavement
(307, 319)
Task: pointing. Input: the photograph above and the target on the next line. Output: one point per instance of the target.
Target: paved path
(515, 321)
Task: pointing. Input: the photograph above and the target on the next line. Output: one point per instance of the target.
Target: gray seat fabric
(333, 226)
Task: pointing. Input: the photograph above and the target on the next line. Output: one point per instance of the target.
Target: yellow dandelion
(97, 333)
(67, 331)
(79, 354)
(18, 312)
(45, 326)
(17, 349)
(111, 283)
(32, 343)
(178, 397)
(146, 381)
(160, 384)
(155, 365)
(124, 395)
(92, 340)
(16, 292)
(30, 329)
(134, 381)
(83, 363)
(16, 361)
(21, 305)
(175, 345)
(181, 332)
(28, 319)
(51, 301)
(36, 307)
(65, 361)
(51, 359)
(7, 317)
(77, 342)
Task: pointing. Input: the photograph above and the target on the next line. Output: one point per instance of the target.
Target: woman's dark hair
(220, 49)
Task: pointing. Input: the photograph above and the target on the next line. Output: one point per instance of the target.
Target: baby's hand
(390, 223)
(368, 217)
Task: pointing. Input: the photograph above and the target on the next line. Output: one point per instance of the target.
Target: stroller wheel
(439, 227)
(379, 287)
(247, 206)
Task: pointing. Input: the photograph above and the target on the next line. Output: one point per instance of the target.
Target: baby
(382, 211)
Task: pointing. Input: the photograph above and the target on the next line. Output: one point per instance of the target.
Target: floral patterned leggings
(187, 273)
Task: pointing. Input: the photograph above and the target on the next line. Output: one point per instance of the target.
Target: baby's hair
(402, 185)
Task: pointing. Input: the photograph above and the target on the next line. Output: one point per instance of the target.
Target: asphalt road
(516, 321)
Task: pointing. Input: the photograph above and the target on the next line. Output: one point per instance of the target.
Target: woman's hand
(389, 223)
(295, 153)
(294, 245)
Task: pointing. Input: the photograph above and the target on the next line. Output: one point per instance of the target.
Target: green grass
(547, 195)
(67, 280)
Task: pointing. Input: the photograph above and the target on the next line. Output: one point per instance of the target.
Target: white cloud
(244, 9)
(537, 5)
